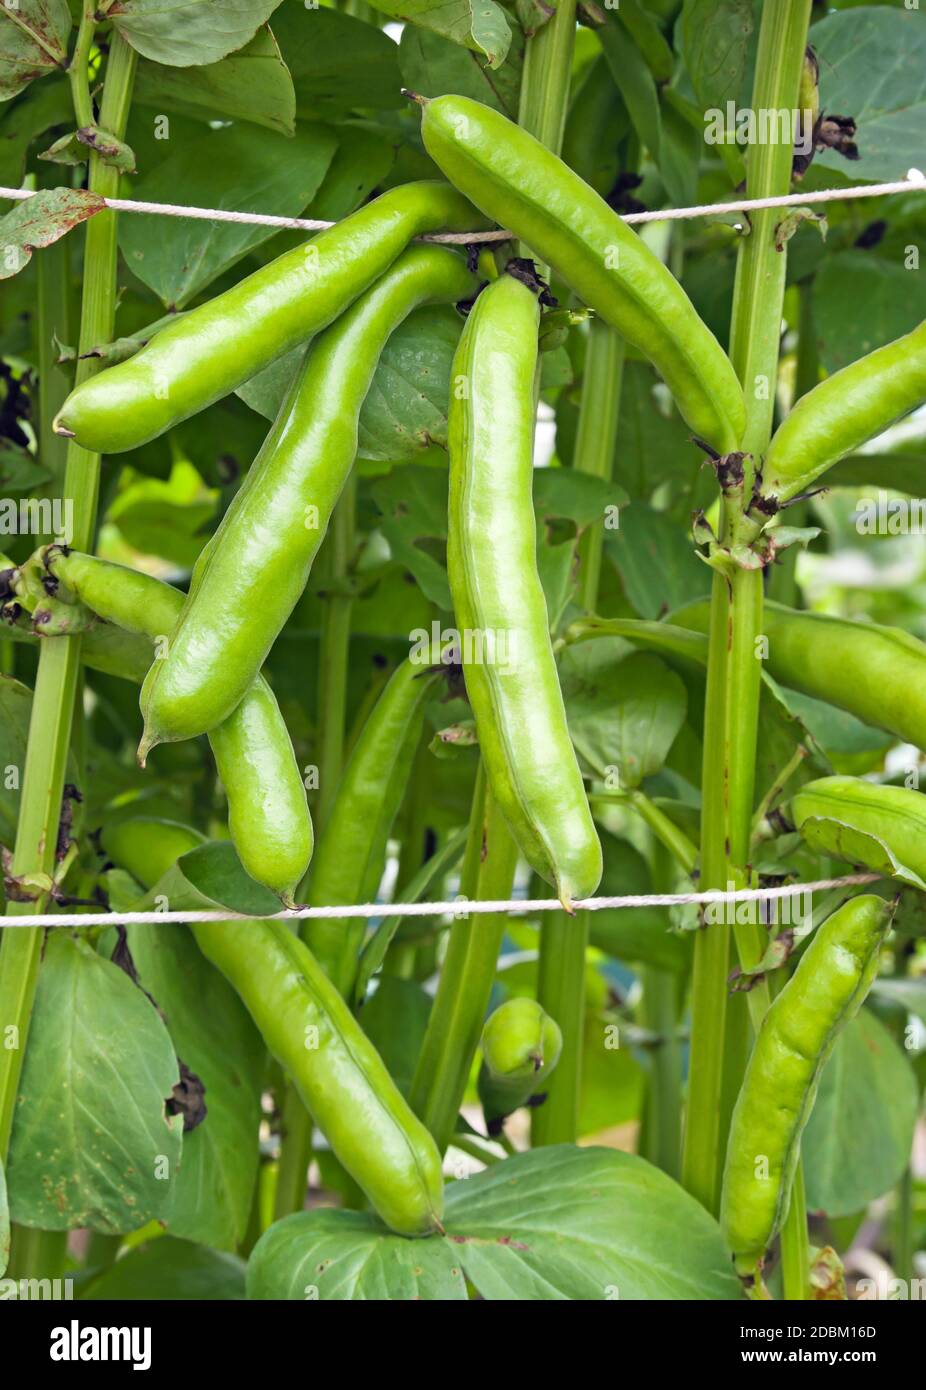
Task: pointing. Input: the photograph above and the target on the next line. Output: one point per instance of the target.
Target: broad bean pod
(268, 817)
(518, 182)
(842, 413)
(521, 1045)
(841, 815)
(214, 348)
(876, 673)
(498, 600)
(351, 853)
(311, 1032)
(793, 1044)
(254, 569)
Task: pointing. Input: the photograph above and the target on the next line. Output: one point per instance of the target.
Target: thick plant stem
(56, 682)
(467, 974)
(564, 939)
(733, 681)
(545, 79)
(795, 1245)
(333, 657)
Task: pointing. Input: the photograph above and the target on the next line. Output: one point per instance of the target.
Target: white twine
(914, 181)
(459, 907)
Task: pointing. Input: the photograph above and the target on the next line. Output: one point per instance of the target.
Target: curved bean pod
(518, 182)
(843, 412)
(312, 1033)
(214, 348)
(829, 810)
(254, 569)
(268, 817)
(508, 662)
(780, 1086)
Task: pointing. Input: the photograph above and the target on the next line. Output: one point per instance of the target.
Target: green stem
(36, 1254)
(466, 1145)
(468, 971)
(902, 1257)
(77, 69)
(56, 681)
(795, 1246)
(546, 75)
(666, 831)
(664, 1113)
(733, 680)
(53, 270)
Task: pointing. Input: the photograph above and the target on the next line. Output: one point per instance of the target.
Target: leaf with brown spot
(40, 221)
(33, 42)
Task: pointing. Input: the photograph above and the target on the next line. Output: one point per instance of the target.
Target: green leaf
(434, 65)
(237, 167)
(559, 1223)
(659, 574)
(635, 83)
(861, 302)
(38, 110)
(212, 1032)
(858, 1140)
(873, 67)
(15, 714)
(92, 1143)
(75, 147)
(634, 934)
(253, 85)
(480, 25)
(166, 518)
(41, 220)
(170, 1269)
(187, 33)
(717, 43)
(395, 1019)
(33, 42)
(406, 408)
(212, 876)
(337, 63)
(848, 743)
(895, 472)
(623, 716)
(344, 1255)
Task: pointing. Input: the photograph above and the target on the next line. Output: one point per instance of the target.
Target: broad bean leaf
(850, 745)
(659, 574)
(238, 167)
(92, 1142)
(187, 33)
(861, 302)
(167, 1268)
(337, 63)
(41, 220)
(433, 65)
(623, 716)
(857, 1142)
(166, 518)
(635, 83)
(873, 67)
(211, 876)
(717, 42)
(634, 934)
(39, 109)
(559, 1223)
(253, 84)
(212, 1032)
(33, 42)
(480, 25)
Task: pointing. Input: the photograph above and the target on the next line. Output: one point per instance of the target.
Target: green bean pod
(518, 182)
(876, 673)
(498, 600)
(791, 1049)
(842, 413)
(314, 1036)
(839, 815)
(521, 1045)
(268, 817)
(214, 348)
(253, 571)
(351, 853)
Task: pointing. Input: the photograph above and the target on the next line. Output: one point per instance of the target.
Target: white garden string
(459, 907)
(914, 181)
